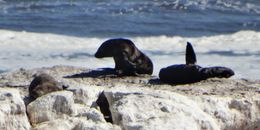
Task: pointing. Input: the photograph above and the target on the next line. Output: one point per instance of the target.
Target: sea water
(38, 33)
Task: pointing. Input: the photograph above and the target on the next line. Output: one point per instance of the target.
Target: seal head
(43, 84)
(217, 71)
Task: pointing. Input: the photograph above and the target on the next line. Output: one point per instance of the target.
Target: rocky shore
(134, 103)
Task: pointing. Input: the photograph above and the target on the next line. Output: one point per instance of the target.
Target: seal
(103, 104)
(129, 60)
(43, 84)
(190, 72)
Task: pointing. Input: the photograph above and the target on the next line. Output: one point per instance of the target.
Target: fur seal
(43, 84)
(190, 72)
(103, 104)
(129, 60)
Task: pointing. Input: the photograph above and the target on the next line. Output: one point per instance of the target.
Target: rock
(59, 124)
(89, 125)
(51, 106)
(232, 114)
(157, 111)
(150, 109)
(85, 94)
(66, 110)
(94, 115)
(12, 111)
(75, 124)
(135, 103)
(21, 77)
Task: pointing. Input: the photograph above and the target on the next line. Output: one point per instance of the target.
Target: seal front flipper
(123, 65)
(190, 55)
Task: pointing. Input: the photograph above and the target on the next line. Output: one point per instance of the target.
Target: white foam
(27, 50)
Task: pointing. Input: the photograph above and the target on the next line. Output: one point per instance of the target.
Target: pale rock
(136, 109)
(135, 103)
(89, 125)
(232, 114)
(94, 115)
(80, 109)
(21, 77)
(156, 111)
(59, 124)
(85, 94)
(12, 110)
(51, 106)
(85, 97)
(75, 124)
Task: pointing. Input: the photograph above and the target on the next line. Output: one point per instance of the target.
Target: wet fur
(43, 84)
(190, 72)
(129, 60)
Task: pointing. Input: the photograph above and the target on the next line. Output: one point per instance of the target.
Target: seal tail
(190, 55)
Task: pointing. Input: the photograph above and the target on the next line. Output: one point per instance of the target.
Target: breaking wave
(239, 51)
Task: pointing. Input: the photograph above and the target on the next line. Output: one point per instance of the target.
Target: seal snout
(97, 55)
(228, 73)
(102, 52)
(223, 72)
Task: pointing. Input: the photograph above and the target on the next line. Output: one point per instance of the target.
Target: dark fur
(128, 59)
(104, 107)
(191, 73)
(217, 71)
(43, 84)
(190, 55)
(180, 74)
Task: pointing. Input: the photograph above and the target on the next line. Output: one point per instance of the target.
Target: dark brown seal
(103, 104)
(129, 60)
(43, 84)
(190, 72)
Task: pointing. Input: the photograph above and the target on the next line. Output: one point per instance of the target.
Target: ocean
(39, 33)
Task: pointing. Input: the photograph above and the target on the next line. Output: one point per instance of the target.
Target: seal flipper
(123, 66)
(190, 55)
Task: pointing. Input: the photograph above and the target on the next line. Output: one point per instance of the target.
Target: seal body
(181, 74)
(190, 72)
(129, 60)
(103, 104)
(43, 84)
